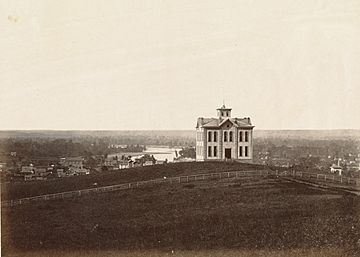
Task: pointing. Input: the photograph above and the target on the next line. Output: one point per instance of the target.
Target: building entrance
(227, 153)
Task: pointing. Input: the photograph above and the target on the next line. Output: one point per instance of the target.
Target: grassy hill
(232, 217)
(26, 189)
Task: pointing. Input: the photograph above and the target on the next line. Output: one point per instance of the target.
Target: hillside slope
(238, 215)
(26, 189)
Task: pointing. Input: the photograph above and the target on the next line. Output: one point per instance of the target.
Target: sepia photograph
(180, 128)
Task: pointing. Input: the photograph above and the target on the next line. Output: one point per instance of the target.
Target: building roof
(217, 122)
(334, 166)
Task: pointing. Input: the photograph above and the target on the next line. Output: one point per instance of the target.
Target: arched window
(241, 136)
(246, 136)
(225, 136)
(215, 136)
(209, 136)
(230, 136)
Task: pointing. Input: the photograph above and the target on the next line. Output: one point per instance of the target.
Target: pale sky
(160, 64)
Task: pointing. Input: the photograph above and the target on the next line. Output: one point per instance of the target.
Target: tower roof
(223, 107)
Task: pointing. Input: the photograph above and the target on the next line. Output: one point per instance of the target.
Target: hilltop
(247, 216)
(27, 189)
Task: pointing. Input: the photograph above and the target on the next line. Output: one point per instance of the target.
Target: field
(232, 217)
(26, 189)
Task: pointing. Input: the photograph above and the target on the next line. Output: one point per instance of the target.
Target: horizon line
(94, 130)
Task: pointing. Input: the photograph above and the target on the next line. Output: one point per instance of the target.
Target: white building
(224, 137)
(336, 169)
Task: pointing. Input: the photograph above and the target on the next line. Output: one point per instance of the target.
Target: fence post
(187, 178)
(129, 185)
(203, 177)
(325, 177)
(228, 174)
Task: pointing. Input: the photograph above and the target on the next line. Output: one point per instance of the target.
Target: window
(240, 151)
(209, 151)
(225, 136)
(215, 136)
(209, 136)
(246, 151)
(241, 136)
(230, 136)
(215, 151)
(246, 136)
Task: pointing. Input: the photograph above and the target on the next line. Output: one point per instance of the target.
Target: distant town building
(79, 171)
(124, 164)
(224, 138)
(60, 173)
(72, 162)
(183, 159)
(336, 168)
(2, 166)
(28, 169)
(40, 171)
(111, 163)
(148, 163)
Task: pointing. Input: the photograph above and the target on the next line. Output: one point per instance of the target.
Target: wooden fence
(185, 179)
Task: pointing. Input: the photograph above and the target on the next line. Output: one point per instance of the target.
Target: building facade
(224, 138)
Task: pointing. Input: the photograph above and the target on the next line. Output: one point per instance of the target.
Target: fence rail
(186, 179)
